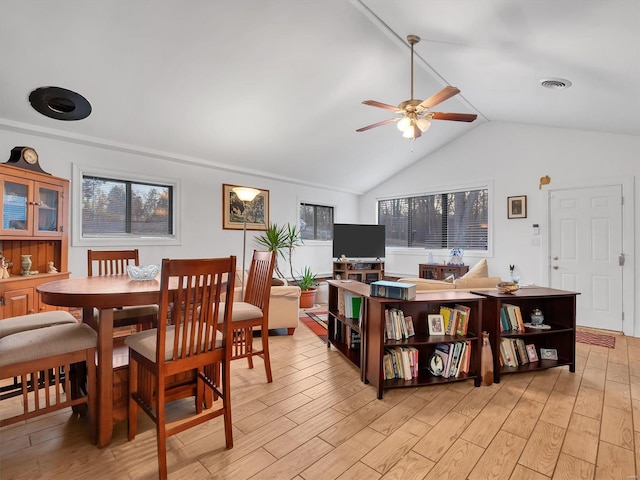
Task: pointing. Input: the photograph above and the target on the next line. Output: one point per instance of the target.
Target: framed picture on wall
(234, 210)
(517, 207)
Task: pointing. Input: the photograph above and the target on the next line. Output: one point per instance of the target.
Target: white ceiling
(274, 87)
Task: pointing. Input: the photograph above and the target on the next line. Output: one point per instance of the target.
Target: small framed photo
(517, 207)
(436, 324)
(234, 210)
(532, 353)
(548, 354)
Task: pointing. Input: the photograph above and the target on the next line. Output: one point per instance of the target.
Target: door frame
(630, 325)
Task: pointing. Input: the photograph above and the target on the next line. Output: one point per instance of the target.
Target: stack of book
(349, 304)
(511, 318)
(396, 325)
(514, 352)
(456, 319)
(397, 290)
(400, 362)
(456, 357)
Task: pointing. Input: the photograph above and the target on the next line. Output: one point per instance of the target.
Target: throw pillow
(480, 269)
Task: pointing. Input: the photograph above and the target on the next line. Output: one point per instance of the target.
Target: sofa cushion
(476, 282)
(480, 269)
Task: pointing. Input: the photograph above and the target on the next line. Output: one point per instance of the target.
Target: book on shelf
(450, 317)
(455, 358)
(396, 325)
(400, 363)
(352, 338)
(506, 353)
(352, 305)
(521, 350)
(397, 290)
(505, 325)
(515, 317)
(444, 350)
(464, 314)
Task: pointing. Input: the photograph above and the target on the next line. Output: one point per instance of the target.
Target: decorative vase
(486, 360)
(25, 263)
(537, 317)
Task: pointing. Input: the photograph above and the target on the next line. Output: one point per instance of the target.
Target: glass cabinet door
(47, 210)
(16, 214)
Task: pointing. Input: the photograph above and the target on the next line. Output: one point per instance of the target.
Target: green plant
(283, 240)
(307, 279)
(274, 239)
(293, 240)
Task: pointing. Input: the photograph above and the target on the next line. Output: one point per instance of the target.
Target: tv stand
(360, 270)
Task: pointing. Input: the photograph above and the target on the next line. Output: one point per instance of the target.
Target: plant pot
(308, 298)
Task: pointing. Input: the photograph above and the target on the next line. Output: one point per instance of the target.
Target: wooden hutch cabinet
(34, 215)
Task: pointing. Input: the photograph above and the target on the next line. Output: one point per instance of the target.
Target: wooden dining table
(103, 293)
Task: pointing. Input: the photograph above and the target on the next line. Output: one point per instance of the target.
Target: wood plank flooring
(318, 421)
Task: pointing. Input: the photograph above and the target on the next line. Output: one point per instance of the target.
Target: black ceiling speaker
(60, 103)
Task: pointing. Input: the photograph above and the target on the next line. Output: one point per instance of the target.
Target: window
(124, 208)
(316, 222)
(438, 221)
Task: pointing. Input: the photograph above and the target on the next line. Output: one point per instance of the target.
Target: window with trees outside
(316, 222)
(123, 208)
(437, 221)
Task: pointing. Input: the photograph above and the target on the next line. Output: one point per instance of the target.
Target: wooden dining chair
(190, 292)
(253, 311)
(114, 262)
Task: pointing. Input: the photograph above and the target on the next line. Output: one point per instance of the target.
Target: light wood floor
(318, 421)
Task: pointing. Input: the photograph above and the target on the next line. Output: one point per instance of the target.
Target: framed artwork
(233, 210)
(436, 324)
(517, 207)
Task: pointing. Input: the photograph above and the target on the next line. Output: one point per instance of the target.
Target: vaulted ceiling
(275, 87)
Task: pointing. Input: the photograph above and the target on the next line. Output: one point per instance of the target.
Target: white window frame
(77, 240)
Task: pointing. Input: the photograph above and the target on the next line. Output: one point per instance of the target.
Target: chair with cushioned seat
(254, 311)
(114, 262)
(44, 359)
(190, 295)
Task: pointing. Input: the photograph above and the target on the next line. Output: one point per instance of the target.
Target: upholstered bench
(43, 358)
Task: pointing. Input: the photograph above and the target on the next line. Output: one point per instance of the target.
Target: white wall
(200, 209)
(512, 158)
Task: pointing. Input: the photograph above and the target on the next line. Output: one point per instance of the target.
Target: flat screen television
(358, 241)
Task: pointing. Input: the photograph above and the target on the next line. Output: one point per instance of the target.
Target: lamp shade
(246, 194)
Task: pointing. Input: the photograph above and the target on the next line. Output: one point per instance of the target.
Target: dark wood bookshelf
(559, 309)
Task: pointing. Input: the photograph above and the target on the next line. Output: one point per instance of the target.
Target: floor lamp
(246, 195)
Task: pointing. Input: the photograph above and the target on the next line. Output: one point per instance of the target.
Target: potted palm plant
(283, 240)
(307, 283)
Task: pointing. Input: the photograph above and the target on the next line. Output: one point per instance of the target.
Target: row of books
(511, 318)
(514, 352)
(400, 362)
(349, 304)
(456, 319)
(455, 356)
(397, 326)
(345, 334)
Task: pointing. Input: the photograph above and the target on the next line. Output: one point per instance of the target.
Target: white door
(585, 244)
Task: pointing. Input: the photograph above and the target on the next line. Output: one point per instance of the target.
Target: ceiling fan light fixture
(412, 132)
(423, 124)
(404, 124)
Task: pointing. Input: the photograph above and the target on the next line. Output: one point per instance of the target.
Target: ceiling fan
(415, 114)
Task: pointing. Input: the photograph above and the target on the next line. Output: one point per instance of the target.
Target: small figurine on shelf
(51, 268)
(455, 256)
(4, 267)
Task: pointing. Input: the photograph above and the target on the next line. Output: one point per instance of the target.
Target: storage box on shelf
(423, 304)
(360, 271)
(559, 310)
(34, 212)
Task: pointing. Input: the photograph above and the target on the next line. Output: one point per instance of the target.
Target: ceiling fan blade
(441, 96)
(456, 117)
(386, 106)
(383, 122)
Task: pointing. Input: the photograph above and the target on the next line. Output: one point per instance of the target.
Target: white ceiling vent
(555, 83)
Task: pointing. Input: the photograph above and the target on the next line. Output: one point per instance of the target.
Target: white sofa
(477, 278)
(284, 304)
